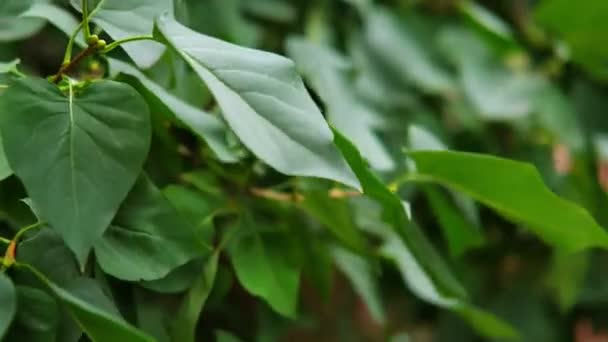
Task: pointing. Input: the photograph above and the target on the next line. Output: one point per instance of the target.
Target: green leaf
(395, 216)
(122, 19)
(497, 93)
(486, 20)
(47, 252)
(515, 190)
(424, 287)
(403, 243)
(12, 27)
(336, 216)
(568, 277)
(178, 280)
(206, 126)
(5, 169)
(397, 47)
(95, 313)
(264, 270)
(186, 320)
(328, 72)
(152, 315)
(224, 336)
(8, 303)
(37, 317)
(148, 238)
(89, 147)
(57, 16)
(460, 234)
(90, 307)
(360, 273)
(582, 26)
(265, 102)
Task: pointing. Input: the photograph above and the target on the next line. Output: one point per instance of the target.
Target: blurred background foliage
(521, 79)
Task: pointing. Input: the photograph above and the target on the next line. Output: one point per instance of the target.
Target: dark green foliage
(262, 170)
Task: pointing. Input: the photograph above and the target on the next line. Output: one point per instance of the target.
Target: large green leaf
(89, 146)
(516, 190)
(148, 238)
(264, 101)
(422, 268)
(122, 19)
(93, 311)
(264, 270)
(14, 28)
(206, 126)
(193, 303)
(328, 72)
(8, 303)
(57, 16)
(582, 25)
(37, 317)
(395, 216)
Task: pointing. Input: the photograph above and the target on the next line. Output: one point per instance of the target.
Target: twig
(66, 68)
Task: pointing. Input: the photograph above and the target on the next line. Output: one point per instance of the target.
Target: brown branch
(297, 198)
(66, 68)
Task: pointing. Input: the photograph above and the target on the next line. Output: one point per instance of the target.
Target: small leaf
(264, 270)
(5, 169)
(148, 238)
(203, 124)
(14, 28)
(360, 273)
(89, 147)
(123, 19)
(394, 214)
(397, 47)
(224, 336)
(8, 303)
(264, 101)
(515, 190)
(403, 243)
(186, 320)
(93, 311)
(336, 216)
(37, 317)
(328, 72)
(460, 234)
(47, 252)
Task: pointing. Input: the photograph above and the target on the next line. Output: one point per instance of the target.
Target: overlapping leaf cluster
(255, 166)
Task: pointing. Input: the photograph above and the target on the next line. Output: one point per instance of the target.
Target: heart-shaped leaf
(89, 147)
(148, 238)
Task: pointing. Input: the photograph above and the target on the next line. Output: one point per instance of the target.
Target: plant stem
(27, 229)
(85, 18)
(5, 240)
(117, 43)
(68, 50)
(67, 67)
